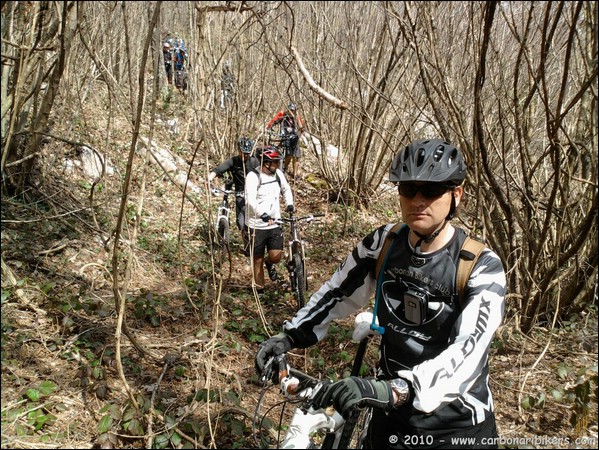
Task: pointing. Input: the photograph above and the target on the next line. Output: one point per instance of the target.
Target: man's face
(424, 206)
(270, 167)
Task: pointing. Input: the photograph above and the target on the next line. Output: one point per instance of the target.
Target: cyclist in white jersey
(432, 390)
(263, 187)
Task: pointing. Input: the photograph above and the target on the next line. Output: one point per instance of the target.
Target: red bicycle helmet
(270, 153)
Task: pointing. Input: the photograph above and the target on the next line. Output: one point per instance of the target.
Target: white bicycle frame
(303, 424)
(223, 211)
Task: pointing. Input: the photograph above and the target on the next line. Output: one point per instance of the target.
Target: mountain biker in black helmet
(433, 380)
(291, 128)
(263, 188)
(238, 166)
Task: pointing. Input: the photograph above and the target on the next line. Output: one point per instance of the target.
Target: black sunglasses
(429, 190)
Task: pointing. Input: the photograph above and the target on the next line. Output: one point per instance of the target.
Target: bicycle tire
(300, 281)
(223, 231)
(355, 428)
(356, 425)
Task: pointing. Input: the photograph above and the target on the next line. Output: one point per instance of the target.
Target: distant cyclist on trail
(227, 86)
(238, 166)
(291, 128)
(433, 382)
(167, 54)
(180, 54)
(180, 58)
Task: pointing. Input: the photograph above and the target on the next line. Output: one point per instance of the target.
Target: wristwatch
(401, 389)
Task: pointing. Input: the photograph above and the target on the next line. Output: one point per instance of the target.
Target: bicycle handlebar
(218, 191)
(301, 388)
(308, 218)
(293, 383)
(278, 369)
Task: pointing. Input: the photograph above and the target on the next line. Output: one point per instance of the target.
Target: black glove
(265, 217)
(275, 346)
(290, 209)
(350, 392)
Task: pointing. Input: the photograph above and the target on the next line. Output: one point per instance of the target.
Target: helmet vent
(452, 157)
(421, 153)
(438, 153)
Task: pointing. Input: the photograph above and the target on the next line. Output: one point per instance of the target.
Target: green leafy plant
(34, 409)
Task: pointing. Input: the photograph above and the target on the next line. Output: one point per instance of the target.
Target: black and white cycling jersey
(444, 356)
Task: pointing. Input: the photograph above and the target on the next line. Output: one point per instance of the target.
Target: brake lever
(307, 405)
(267, 372)
(272, 373)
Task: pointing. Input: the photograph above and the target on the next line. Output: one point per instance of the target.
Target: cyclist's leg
(275, 246)
(169, 73)
(275, 249)
(240, 209)
(274, 256)
(297, 167)
(259, 271)
(260, 239)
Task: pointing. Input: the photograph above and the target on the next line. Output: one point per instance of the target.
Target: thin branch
(337, 103)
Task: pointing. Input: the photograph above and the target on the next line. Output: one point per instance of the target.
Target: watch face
(400, 384)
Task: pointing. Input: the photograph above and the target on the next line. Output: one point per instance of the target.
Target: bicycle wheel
(223, 231)
(300, 280)
(223, 253)
(354, 429)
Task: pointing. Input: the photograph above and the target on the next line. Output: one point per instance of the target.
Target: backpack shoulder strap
(257, 170)
(385, 249)
(471, 250)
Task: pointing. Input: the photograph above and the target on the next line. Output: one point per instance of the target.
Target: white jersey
(262, 196)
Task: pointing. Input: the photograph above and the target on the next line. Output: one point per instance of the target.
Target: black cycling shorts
(271, 239)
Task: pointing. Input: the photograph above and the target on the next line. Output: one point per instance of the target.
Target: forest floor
(69, 379)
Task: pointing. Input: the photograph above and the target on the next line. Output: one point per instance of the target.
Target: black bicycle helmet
(430, 160)
(246, 145)
(292, 107)
(270, 153)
